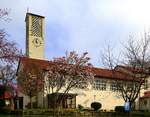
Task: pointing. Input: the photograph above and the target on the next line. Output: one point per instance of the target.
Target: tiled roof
(106, 73)
(137, 70)
(39, 62)
(6, 95)
(99, 72)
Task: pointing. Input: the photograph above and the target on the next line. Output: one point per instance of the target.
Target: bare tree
(7, 74)
(4, 14)
(9, 53)
(134, 66)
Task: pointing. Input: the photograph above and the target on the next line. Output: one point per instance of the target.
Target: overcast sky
(80, 25)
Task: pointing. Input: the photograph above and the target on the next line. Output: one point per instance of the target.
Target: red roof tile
(39, 62)
(6, 95)
(99, 72)
(105, 73)
(137, 70)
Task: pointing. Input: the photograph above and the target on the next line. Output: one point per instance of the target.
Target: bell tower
(34, 36)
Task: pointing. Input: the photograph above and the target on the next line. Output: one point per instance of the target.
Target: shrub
(34, 105)
(80, 107)
(2, 103)
(119, 109)
(96, 105)
(5, 110)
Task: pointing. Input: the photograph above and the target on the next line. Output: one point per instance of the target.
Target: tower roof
(33, 15)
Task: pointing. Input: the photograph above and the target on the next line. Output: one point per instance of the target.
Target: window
(131, 86)
(70, 102)
(114, 86)
(99, 85)
(145, 102)
(82, 85)
(146, 84)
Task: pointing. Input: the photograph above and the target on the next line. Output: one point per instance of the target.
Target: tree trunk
(37, 105)
(31, 101)
(43, 100)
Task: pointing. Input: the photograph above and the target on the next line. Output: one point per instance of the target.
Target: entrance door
(18, 103)
(69, 102)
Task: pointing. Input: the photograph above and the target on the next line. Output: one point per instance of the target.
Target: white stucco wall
(109, 99)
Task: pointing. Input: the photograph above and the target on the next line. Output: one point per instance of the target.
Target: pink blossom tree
(67, 73)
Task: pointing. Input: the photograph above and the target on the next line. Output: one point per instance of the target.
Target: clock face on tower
(36, 42)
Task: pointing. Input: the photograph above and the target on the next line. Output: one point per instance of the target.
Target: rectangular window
(70, 102)
(145, 84)
(114, 86)
(82, 85)
(99, 85)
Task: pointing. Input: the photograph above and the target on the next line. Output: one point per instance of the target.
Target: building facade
(145, 101)
(104, 89)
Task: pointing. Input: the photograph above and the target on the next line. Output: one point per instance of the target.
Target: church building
(103, 90)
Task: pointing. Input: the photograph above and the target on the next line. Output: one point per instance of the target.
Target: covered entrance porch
(63, 100)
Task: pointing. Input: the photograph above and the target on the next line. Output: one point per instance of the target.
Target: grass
(76, 113)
